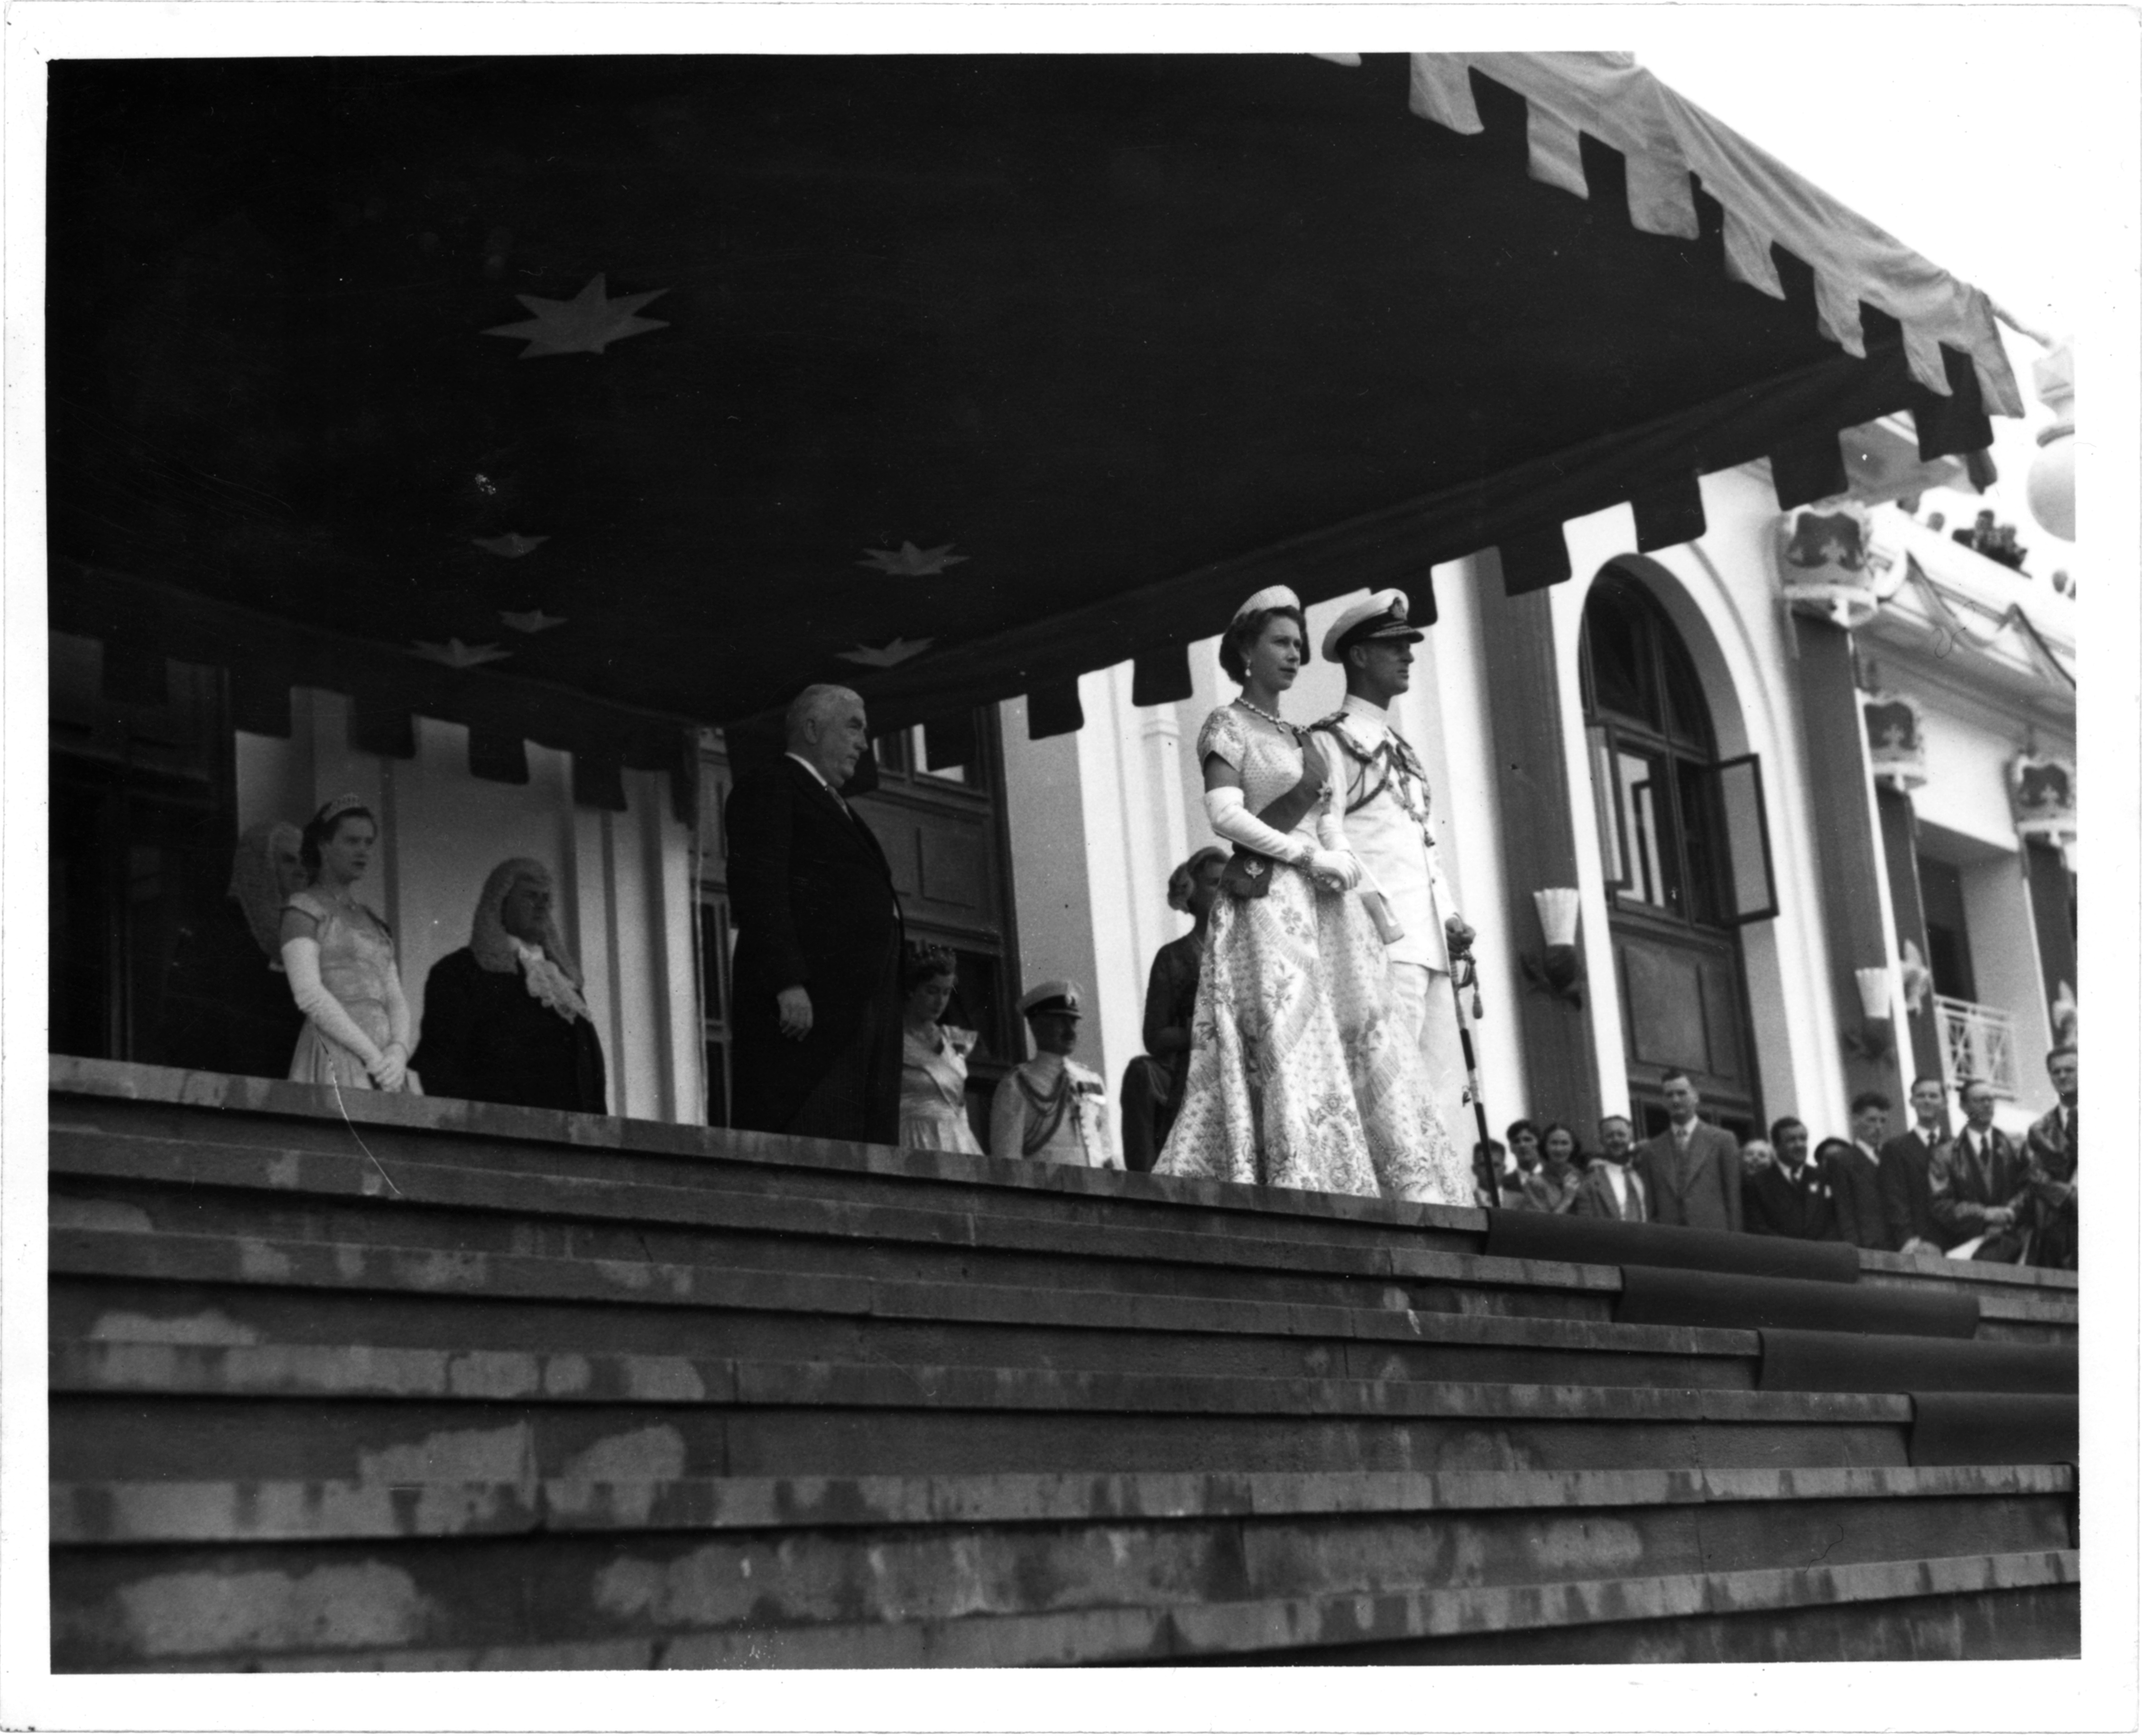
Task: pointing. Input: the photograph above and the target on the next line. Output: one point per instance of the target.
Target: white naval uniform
(1391, 835)
(1081, 1135)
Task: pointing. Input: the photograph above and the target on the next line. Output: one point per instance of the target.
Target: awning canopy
(971, 374)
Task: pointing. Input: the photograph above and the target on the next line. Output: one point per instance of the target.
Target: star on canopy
(884, 656)
(533, 620)
(512, 545)
(455, 655)
(910, 562)
(586, 323)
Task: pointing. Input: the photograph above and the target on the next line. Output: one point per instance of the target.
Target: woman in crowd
(339, 957)
(1554, 1185)
(227, 1006)
(1297, 1078)
(933, 1057)
(1154, 1083)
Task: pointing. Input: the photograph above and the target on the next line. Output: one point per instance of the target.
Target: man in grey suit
(1692, 1170)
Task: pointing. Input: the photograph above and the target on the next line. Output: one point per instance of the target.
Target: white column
(1472, 840)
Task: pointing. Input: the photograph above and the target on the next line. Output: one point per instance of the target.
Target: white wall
(623, 881)
(1968, 756)
(1052, 879)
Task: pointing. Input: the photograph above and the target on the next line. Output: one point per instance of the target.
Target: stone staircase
(417, 1384)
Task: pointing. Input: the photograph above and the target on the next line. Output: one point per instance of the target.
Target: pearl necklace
(1279, 723)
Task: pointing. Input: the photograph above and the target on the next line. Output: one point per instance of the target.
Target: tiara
(334, 810)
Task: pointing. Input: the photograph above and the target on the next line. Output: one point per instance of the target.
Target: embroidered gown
(1298, 1077)
(356, 962)
(933, 1096)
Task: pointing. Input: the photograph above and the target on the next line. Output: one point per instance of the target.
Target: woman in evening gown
(1297, 1076)
(933, 1057)
(339, 957)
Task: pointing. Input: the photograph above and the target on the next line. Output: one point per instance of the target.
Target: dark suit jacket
(1595, 1195)
(1711, 1200)
(1964, 1187)
(2049, 1156)
(1855, 1180)
(812, 899)
(1803, 1207)
(1907, 1208)
(487, 1039)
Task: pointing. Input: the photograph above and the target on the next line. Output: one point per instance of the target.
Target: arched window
(1681, 833)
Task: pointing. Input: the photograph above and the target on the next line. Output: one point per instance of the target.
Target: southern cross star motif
(585, 324)
(884, 656)
(455, 655)
(533, 620)
(908, 562)
(512, 545)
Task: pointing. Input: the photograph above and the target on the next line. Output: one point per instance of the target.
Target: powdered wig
(1243, 633)
(1180, 882)
(256, 882)
(490, 942)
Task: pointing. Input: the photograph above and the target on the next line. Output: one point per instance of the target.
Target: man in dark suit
(1907, 1209)
(1692, 1170)
(1855, 1174)
(1981, 1190)
(819, 935)
(1792, 1196)
(2049, 1152)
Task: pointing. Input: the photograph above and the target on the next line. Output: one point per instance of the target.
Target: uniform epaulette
(1336, 725)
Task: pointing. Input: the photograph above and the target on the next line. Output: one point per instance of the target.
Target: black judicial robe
(225, 1009)
(812, 898)
(487, 1039)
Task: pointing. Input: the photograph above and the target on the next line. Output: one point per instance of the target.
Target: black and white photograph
(937, 855)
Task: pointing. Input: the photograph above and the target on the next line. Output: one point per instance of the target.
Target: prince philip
(1384, 795)
(816, 1000)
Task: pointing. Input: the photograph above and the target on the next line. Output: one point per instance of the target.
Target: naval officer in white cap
(1051, 1108)
(1386, 820)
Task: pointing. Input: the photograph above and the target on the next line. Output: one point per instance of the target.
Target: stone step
(239, 1263)
(583, 1584)
(234, 1513)
(748, 1419)
(114, 1288)
(173, 1186)
(1012, 1218)
(521, 1142)
(382, 1621)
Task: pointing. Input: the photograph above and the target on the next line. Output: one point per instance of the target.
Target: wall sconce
(1559, 968)
(1876, 1037)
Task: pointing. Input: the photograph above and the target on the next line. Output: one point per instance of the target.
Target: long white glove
(1233, 820)
(1332, 833)
(301, 964)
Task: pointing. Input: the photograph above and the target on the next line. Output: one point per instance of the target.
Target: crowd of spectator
(1974, 1193)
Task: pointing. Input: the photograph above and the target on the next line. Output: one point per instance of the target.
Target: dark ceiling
(1095, 321)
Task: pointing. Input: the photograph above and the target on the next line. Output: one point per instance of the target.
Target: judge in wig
(227, 1004)
(505, 1021)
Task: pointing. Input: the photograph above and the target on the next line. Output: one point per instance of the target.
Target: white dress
(933, 1095)
(1298, 1076)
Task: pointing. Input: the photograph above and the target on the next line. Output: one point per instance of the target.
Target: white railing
(1977, 1043)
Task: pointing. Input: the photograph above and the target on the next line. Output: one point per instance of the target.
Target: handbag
(1249, 873)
